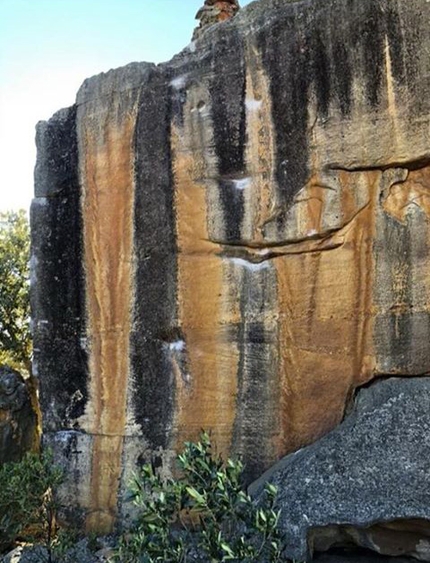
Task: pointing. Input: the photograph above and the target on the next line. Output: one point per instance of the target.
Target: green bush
(205, 515)
(27, 499)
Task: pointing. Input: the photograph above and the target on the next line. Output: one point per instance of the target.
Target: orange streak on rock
(106, 471)
(108, 235)
(326, 323)
(207, 400)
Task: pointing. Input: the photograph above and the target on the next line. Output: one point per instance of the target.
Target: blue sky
(47, 49)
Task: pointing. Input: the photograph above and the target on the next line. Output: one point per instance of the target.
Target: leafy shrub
(27, 499)
(205, 515)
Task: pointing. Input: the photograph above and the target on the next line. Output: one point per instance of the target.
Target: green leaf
(271, 489)
(196, 495)
(227, 549)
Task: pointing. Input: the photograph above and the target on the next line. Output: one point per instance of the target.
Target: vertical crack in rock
(255, 283)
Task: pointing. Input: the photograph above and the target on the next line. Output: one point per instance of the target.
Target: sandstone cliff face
(235, 240)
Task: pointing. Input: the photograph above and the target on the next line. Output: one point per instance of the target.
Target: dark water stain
(58, 295)
(256, 377)
(154, 310)
(227, 88)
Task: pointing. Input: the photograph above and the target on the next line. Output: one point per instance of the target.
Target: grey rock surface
(55, 173)
(27, 555)
(374, 468)
(105, 84)
(368, 558)
(80, 553)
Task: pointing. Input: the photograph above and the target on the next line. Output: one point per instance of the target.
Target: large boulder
(367, 483)
(235, 240)
(18, 416)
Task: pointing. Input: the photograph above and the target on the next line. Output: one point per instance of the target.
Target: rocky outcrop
(235, 240)
(18, 418)
(366, 483)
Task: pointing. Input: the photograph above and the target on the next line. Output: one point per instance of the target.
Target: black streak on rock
(320, 68)
(371, 33)
(395, 43)
(156, 265)
(342, 76)
(58, 289)
(178, 95)
(232, 201)
(227, 90)
(254, 424)
(289, 85)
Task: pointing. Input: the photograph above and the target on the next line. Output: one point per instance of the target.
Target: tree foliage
(15, 341)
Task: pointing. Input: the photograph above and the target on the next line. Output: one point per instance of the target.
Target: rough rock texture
(366, 483)
(38, 554)
(235, 240)
(349, 557)
(18, 419)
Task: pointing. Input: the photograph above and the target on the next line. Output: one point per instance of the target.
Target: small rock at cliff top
(215, 11)
(366, 483)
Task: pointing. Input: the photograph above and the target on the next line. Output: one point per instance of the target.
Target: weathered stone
(242, 242)
(348, 557)
(80, 553)
(22, 554)
(56, 168)
(18, 418)
(366, 483)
